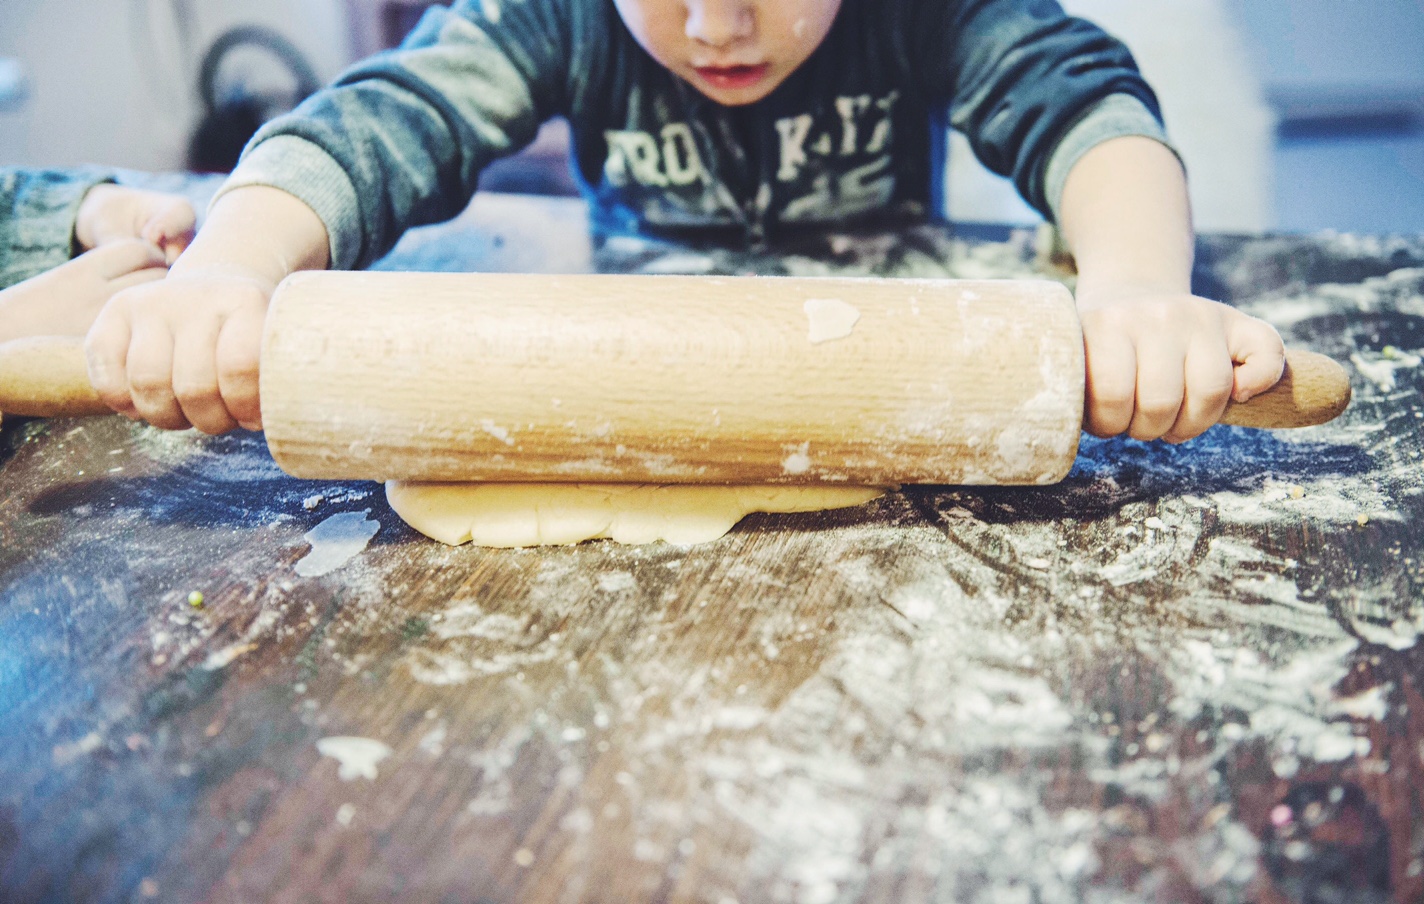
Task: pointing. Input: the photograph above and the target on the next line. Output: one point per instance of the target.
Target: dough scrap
(830, 318)
(550, 514)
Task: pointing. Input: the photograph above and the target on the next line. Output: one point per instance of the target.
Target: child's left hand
(1163, 364)
(112, 213)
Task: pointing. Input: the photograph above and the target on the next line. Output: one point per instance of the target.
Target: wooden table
(1186, 674)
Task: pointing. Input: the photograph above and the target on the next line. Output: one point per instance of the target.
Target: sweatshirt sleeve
(1018, 75)
(1115, 116)
(38, 208)
(400, 140)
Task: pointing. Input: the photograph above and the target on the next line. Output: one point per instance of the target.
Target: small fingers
(1161, 385)
(1259, 354)
(1167, 365)
(1111, 384)
(106, 349)
(1208, 371)
(195, 378)
(171, 226)
(239, 350)
(181, 352)
(150, 375)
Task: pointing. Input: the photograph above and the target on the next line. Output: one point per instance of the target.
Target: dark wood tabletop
(1186, 674)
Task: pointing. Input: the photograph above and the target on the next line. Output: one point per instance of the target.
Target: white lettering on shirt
(681, 161)
(863, 125)
(637, 156)
(632, 153)
(793, 131)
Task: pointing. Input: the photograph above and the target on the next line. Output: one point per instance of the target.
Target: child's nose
(719, 23)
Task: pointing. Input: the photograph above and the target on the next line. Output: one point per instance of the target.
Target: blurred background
(1293, 115)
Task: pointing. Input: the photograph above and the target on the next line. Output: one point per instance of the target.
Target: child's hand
(1165, 364)
(111, 213)
(184, 351)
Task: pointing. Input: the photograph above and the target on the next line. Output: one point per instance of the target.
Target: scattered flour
(357, 757)
(990, 661)
(1380, 367)
(922, 746)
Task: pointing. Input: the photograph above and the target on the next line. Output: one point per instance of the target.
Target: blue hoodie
(38, 209)
(857, 131)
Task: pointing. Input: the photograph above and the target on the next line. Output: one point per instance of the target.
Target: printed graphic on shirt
(670, 158)
(830, 164)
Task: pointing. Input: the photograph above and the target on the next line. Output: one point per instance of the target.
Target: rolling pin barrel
(672, 379)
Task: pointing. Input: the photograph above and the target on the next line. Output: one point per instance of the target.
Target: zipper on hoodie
(753, 208)
(759, 204)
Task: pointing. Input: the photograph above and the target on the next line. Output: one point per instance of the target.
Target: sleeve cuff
(40, 233)
(302, 169)
(1115, 116)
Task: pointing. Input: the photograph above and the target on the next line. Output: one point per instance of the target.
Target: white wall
(1335, 46)
(112, 82)
(1216, 112)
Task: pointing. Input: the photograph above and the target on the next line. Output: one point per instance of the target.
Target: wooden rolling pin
(669, 379)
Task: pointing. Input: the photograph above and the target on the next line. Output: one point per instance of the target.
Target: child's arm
(398, 141)
(1162, 363)
(184, 351)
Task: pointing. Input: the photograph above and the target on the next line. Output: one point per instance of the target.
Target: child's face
(734, 51)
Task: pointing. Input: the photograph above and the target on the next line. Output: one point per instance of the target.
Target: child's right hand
(183, 352)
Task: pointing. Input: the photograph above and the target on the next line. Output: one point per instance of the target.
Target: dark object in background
(234, 113)
(397, 19)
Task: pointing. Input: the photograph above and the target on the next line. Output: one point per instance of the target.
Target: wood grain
(667, 379)
(1185, 674)
(47, 376)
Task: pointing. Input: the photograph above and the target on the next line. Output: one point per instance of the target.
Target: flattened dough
(551, 514)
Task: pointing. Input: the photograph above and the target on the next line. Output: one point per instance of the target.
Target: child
(124, 236)
(741, 115)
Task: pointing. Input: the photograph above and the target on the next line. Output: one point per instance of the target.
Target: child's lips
(731, 78)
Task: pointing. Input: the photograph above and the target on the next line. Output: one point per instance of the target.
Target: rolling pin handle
(1313, 389)
(47, 376)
